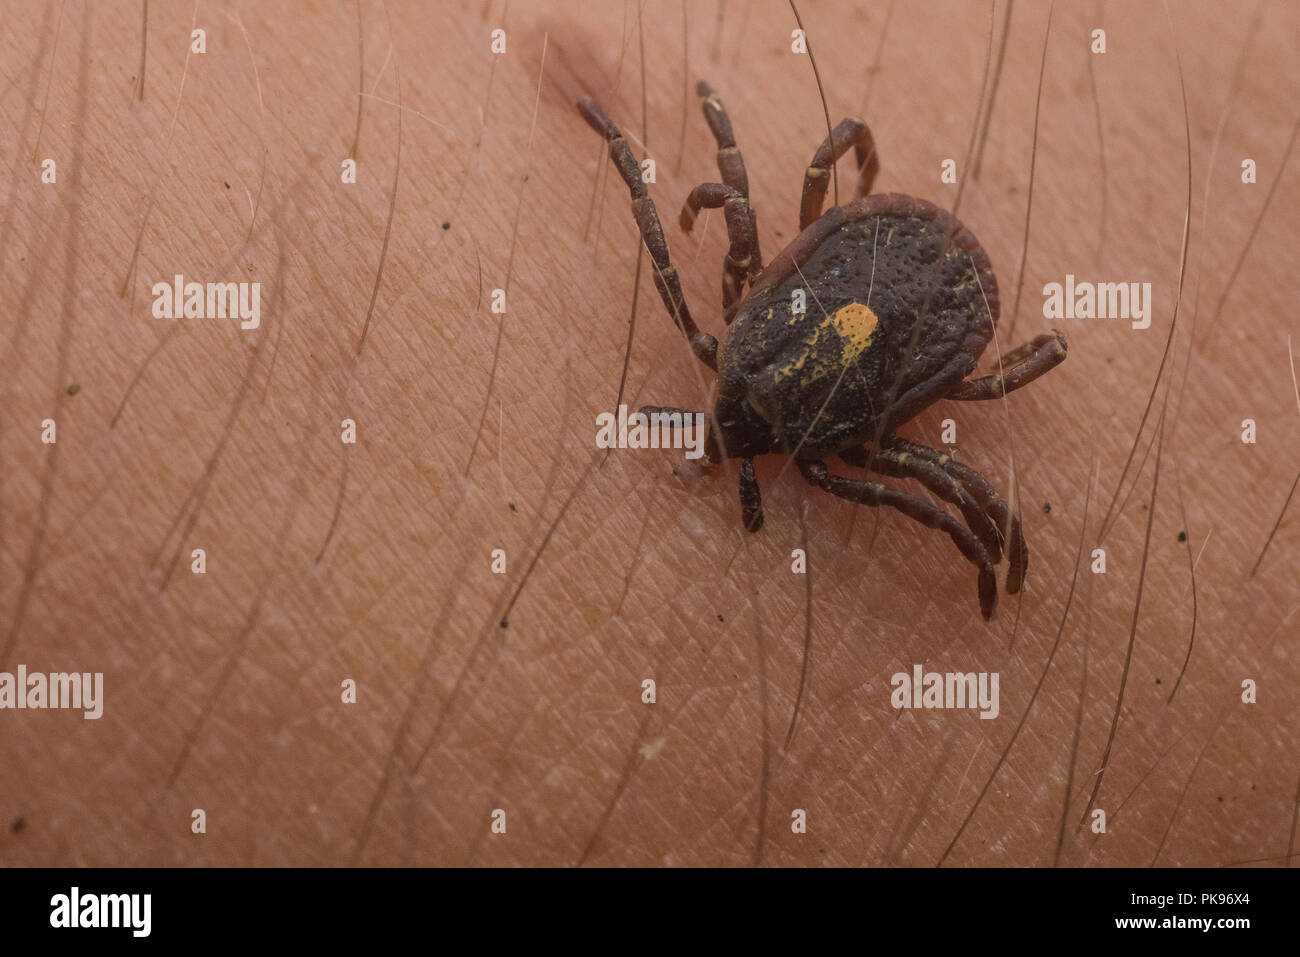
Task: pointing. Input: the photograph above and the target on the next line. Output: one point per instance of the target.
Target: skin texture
(373, 561)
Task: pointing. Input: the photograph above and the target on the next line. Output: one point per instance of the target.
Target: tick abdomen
(820, 346)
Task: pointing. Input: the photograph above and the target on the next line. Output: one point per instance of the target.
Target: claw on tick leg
(988, 591)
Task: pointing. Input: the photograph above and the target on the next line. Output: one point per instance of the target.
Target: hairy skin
(373, 561)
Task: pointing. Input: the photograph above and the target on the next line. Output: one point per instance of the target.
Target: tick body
(817, 348)
(877, 309)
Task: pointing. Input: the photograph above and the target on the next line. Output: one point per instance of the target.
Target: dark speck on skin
(1047, 507)
(512, 507)
(1182, 536)
(1157, 681)
(74, 389)
(19, 825)
(227, 184)
(719, 618)
(446, 225)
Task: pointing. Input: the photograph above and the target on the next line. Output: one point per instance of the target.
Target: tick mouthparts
(713, 453)
(693, 430)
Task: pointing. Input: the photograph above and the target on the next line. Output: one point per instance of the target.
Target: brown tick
(875, 311)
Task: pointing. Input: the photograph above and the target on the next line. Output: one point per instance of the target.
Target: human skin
(373, 561)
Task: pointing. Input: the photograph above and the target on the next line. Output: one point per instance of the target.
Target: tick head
(736, 430)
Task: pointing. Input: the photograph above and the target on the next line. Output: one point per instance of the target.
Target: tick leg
(850, 132)
(740, 229)
(1022, 365)
(1006, 522)
(877, 495)
(900, 463)
(913, 401)
(731, 165)
(703, 345)
(751, 500)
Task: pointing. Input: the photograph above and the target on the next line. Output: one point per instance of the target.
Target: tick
(877, 309)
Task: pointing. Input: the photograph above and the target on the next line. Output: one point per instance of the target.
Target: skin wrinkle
(553, 730)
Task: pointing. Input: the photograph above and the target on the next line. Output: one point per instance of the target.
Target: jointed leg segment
(751, 501)
(1022, 365)
(703, 345)
(876, 495)
(850, 132)
(915, 464)
(978, 487)
(740, 230)
(744, 261)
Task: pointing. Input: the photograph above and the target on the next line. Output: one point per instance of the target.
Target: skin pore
(373, 561)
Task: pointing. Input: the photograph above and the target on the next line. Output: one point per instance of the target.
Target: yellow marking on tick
(856, 324)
